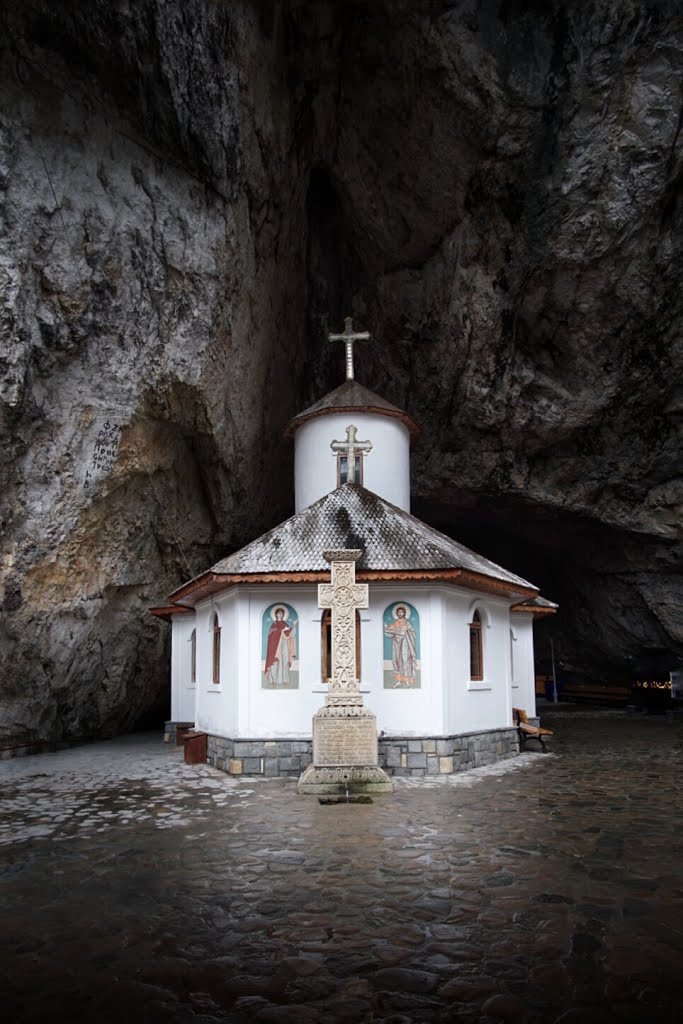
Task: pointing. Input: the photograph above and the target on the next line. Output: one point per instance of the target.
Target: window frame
(326, 644)
(359, 468)
(193, 656)
(216, 651)
(476, 648)
(514, 682)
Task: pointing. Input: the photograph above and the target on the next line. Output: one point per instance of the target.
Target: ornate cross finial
(351, 448)
(348, 336)
(343, 596)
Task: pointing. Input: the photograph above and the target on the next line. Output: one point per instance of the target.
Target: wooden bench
(528, 732)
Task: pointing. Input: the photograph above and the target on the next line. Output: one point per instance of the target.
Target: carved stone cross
(351, 447)
(343, 596)
(348, 336)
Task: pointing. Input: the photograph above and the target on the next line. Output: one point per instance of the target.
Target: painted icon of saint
(280, 649)
(403, 648)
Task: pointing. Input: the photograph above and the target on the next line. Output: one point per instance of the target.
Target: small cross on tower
(348, 336)
(350, 449)
(343, 596)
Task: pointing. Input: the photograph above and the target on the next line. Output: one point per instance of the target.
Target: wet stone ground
(135, 888)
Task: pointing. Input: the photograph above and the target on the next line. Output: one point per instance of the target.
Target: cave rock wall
(192, 193)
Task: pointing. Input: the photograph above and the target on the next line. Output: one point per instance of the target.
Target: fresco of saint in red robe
(279, 652)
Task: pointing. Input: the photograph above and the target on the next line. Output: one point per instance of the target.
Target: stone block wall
(270, 758)
(446, 755)
(397, 755)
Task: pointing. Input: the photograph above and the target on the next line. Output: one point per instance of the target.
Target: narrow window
(216, 649)
(193, 656)
(343, 469)
(326, 645)
(476, 648)
(326, 641)
(512, 656)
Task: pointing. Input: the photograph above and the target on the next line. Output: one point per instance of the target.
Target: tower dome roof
(352, 397)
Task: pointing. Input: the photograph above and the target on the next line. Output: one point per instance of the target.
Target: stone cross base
(344, 734)
(344, 753)
(344, 778)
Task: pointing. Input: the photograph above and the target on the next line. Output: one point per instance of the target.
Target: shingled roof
(393, 543)
(352, 397)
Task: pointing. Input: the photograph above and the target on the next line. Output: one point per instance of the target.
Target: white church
(444, 651)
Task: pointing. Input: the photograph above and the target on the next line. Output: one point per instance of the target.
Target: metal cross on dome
(352, 450)
(348, 336)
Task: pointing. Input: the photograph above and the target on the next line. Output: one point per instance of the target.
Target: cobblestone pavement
(135, 888)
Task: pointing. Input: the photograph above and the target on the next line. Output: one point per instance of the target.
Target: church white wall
(447, 701)
(241, 708)
(523, 680)
(183, 689)
(470, 705)
(217, 704)
(404, 712)
(286, 714)
(289, 713)
(386, 469)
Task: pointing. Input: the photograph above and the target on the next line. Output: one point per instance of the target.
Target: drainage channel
(346, 799)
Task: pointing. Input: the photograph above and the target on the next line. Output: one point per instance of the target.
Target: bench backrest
(520, 716)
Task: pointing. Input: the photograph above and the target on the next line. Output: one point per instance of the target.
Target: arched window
(216, 630)
(193, 656)
(513, 640)
(476, 648)
(326, 645)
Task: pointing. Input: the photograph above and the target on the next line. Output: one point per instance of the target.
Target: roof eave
(535, 610)
(211, 583)
(168, 611)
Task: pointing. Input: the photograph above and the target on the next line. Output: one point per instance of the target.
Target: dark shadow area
(605, 628)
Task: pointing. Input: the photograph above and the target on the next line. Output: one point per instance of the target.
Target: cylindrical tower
(383, 469)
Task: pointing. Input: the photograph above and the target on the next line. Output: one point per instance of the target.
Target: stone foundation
(446, 755)
(397, 755)
(271, 758)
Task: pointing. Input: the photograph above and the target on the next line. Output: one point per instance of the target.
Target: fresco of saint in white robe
(403, 647)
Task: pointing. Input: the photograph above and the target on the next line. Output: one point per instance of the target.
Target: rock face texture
(192, 191)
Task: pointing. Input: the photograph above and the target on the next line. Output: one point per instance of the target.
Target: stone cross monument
(351, 448)
(343, 595)
(348, 336)
(344, 730)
